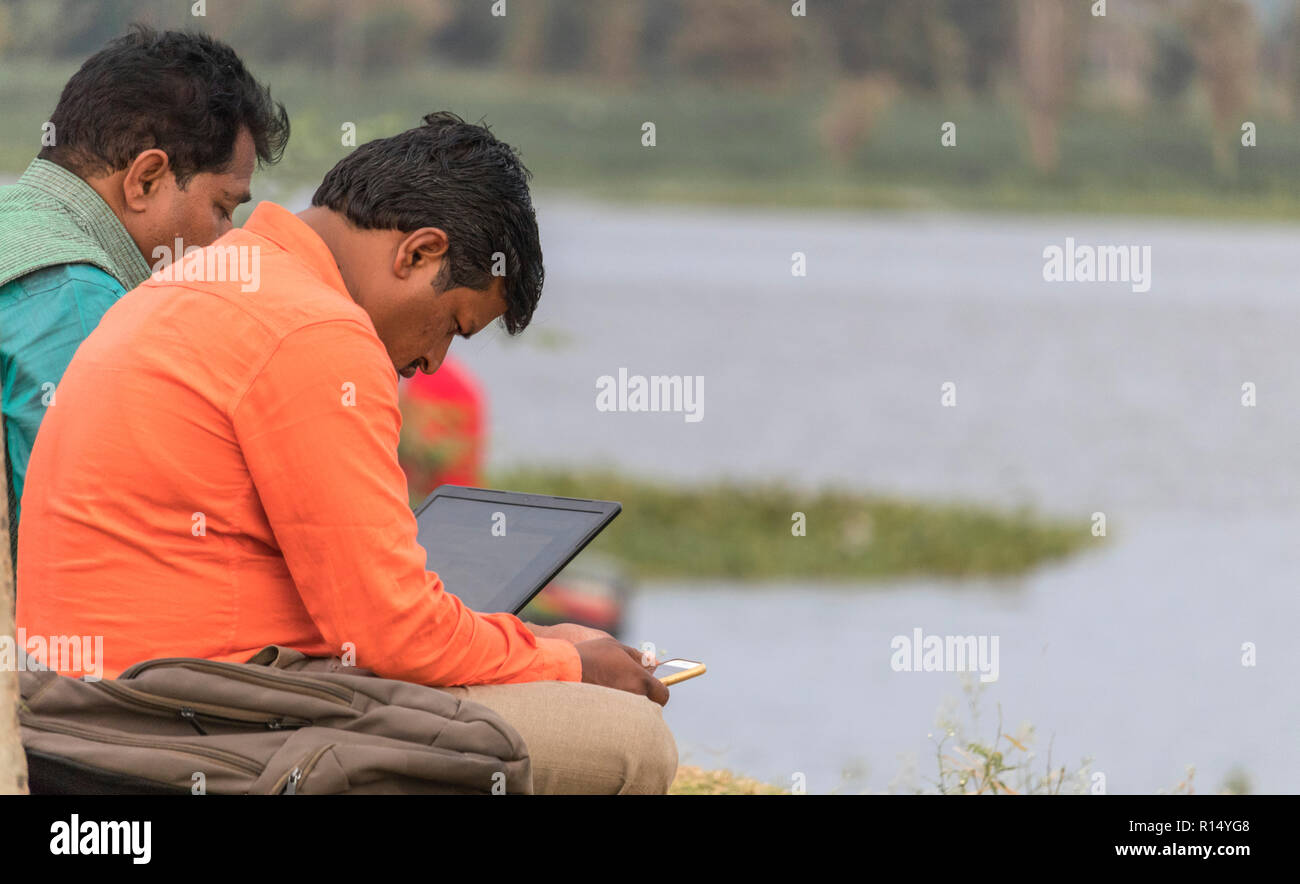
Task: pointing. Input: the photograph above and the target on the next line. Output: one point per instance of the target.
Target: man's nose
(435, 356)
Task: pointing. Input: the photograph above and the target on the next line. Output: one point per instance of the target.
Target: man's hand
(571, 632)
(606, 662)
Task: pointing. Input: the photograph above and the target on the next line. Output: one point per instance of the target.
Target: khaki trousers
(585, 739)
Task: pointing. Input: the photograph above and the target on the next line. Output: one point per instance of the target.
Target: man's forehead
(488, 305)
(235, 176)
(244, 160)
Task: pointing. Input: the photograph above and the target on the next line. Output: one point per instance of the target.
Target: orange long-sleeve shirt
(218, 472)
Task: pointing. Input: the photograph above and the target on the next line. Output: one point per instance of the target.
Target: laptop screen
(495, 550)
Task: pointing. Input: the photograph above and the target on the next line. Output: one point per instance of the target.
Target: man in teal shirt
(154, 143)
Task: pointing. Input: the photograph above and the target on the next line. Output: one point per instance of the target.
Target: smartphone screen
(674, 667)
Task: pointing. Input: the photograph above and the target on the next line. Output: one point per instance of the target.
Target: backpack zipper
(191, 711)
(188, 714)
(230, 759)
(295, 776)
(333, 693)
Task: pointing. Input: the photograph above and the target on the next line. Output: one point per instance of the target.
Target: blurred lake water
(1072, 398)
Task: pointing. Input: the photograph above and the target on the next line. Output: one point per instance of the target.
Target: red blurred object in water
(444, 425)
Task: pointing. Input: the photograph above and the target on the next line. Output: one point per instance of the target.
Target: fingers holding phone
(607, 662)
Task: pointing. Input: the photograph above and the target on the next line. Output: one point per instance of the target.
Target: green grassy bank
(745, 531)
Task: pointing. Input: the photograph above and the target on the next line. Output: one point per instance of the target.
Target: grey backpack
(281, 723)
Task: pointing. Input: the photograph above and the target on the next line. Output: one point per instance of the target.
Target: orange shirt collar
(291, 233)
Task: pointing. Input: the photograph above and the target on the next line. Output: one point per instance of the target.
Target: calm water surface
(1071, 398)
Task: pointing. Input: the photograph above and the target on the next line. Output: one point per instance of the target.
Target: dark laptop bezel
(605, 509)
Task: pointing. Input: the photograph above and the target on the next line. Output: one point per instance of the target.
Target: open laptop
(495, 550)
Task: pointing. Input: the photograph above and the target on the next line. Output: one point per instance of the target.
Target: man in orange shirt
(219, 469)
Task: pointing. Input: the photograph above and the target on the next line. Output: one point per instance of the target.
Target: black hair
(458, 177)
(181, 92)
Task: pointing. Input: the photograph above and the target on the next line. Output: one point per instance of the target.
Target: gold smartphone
(672, 671)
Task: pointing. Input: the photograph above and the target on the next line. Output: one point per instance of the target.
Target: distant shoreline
(744, 148)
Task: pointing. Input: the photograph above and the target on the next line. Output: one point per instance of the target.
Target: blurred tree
(617, 29)
(882, 48)
(1174, 64)
(856, 106)
(947, 48)
(986, 27)
(566, 38)
(662, 19)
(1224, 40)
(738, 41)
(882, 36)
(1289, 62)
(472, 37)
(400, 34)
(922, 44)
(526, 44)
(1119, 54)
(1046, 70)
(56, 28)
(347, 41)
(6, 29)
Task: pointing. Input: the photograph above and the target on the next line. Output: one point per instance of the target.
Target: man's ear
(143, 178)
(420, 249)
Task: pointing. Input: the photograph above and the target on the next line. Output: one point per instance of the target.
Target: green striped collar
(100, 223)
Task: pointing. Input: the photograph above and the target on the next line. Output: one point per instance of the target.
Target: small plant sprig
(970, 765)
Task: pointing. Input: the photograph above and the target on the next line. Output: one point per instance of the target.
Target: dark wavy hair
(458, 177)
(181, 92)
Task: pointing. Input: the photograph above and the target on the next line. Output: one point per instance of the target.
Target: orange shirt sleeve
(318, 426)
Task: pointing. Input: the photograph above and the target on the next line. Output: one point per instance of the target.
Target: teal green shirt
(44, 317)
(65, 258)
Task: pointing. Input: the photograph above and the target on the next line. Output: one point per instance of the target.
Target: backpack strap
(291, 660)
